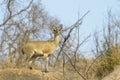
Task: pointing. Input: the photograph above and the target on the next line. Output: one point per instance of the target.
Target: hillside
(57, 74)
(26, 74)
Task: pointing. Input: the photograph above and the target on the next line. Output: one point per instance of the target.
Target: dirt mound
(26, 74)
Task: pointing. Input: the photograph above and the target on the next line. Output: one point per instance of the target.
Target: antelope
(34, 49)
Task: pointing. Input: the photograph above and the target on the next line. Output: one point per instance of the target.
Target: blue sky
(68, 11)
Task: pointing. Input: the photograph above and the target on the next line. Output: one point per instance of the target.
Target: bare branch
(9, 7)
(10, 12)
(77, 23)
(23, 9)
(75, 67)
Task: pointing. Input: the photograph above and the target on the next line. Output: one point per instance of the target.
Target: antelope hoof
(31, 68)
(46, 71)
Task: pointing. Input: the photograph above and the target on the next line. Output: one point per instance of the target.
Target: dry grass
(26, 74)
(18, 74)
(54, 73)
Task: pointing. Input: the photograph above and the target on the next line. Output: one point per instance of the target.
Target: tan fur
(35, 49)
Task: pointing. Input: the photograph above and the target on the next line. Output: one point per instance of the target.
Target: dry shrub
(108, 61)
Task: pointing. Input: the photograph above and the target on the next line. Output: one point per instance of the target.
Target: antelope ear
(60, 27)
(52, 27)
